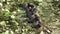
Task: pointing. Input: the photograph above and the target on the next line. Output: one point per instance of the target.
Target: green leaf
(6, 14)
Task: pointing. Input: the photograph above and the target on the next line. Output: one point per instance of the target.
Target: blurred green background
(13, 19)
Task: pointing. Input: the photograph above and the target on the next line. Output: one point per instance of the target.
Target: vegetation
(13, 18)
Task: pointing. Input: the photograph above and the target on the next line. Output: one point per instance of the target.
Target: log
(33, 16)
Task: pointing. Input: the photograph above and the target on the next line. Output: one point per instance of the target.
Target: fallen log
(34, 18)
